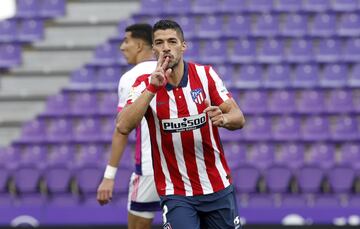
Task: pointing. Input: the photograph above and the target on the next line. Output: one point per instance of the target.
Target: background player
(143, 200)
(191, 173)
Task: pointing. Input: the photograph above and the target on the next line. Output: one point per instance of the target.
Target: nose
(166, 47)
(122, 47)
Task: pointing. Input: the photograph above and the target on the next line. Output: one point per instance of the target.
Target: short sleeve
(123, 93)
(138, 87)
(217, 90)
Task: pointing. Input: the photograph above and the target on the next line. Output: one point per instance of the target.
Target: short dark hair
(141, 31)
(169, 24)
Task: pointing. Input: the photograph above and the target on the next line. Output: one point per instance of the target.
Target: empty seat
(87, 130)
(59, 130)
(250, 76)
(83, 77)
(30, 30)
(277, 178)
(323, 25)
(9, 157)
(266, 25)
(203, 6)
(306, 75)
(253, 101)
(334, 75)
(235, 153)
(238, 25)
(108, 103)
(122, 180)
(188, 24)
(345, 128)
(260, 5)
(106, 54)
(295, 24)
(310, 101)
(328, 50)
(88, 177)
(341, 179)
(62, 155)
(214, 51)
(233, 6)
(108, 77)
(8, 30)
(246, 178)
(291, 155)
(52, 8)
(316, 5)
(282, 101)
(258, 128)
(316, 128)
(192, 51)
(26, 179)
(277, 76)
(83, 103)
(151, 7)
(225, 72)
(34, 154)
(244, 50)
(288, 5)
(354, 78)
(262, 155)
(352, 50)
(210, 26)
(58, 179)
(300, 50)
(271, 51)
(349, 25)
(287, 128)
(90, 154)
(33, 131)
(350, 155)
(10, 55)
(344, 5)
(309, 179)
(176, 6)
(340, 100)
(29, 8)
(321, 155)
(57, 105)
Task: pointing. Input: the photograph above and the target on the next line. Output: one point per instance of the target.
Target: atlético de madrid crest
(197, 95)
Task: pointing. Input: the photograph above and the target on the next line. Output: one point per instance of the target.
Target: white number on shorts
(165, 211)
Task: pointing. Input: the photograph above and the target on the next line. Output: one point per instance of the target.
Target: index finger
(160, 60)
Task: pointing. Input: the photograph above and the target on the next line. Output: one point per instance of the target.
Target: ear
(184, 46)
(140, 45)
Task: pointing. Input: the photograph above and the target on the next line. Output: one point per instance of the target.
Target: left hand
(215, 114)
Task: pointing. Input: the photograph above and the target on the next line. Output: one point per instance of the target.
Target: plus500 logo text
(184, 124)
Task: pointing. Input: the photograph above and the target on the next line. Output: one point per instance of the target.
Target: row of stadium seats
(21, 30)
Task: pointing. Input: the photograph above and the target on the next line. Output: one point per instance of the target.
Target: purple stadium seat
(238, 25)
(8, 30)
(287, 5)
(277, 76)
(334, 75)
(57, 105)
(295, 24)
(328, 50)
(225, 72)
(10, 157)
(349, 24)
(90, 154)
(59, 130)
(122, 26)
(107, 128)
(106, 54)
(28, 8)
(108, 77)
(271, 51)
(260, 5)
(30, 30)
(261, 201)
(27, 178)
(151, 7)
(6, 200)
(88, 178)
(122, 180)
(233, 6)
(291, 155)
(310, 101)
(210, 26)
(35, 155)
(344, 5)
(262, 155)
(345, 127)
(327, 201)
(4, 179)
(309, 179)
(83, 77)
(341, 179)
(58, 179)
(177, 7)
(203, 6)
(246, 178)
(350, 155)
(227, 135)
(10, 55)
(192, 51)
(323, 25)
(287, 128)
(316, 128)
(354, 201)
(293, 201)
(300, 50)
(108, 103)
(266, 25)
(322, 155)
(235, 153)
(354, 80)
(277, 178)
(244, 51)
(127, 160)
(257, 128)
(352, 50)
(52, 8)
(253, 101)
(282, 101)
(83, 103)
(316, 5)
(61, 155)
(187, 23)
(306, 75)
(250, 76)
(214, 51)
(87, 130)
(340, 100)
(33, 131)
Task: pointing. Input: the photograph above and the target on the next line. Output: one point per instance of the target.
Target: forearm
(118, 146)
(234, 120)
(132, 114)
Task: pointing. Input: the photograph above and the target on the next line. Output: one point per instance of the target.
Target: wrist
(110, 172)
(152, 88)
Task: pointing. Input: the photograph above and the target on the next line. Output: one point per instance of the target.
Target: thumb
(207, 103)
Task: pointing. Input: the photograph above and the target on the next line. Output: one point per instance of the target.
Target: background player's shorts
(213, 211)
(143, 199)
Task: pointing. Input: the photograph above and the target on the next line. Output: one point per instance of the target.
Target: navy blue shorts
(213, 211)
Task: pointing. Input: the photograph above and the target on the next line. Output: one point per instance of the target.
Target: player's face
(168, 41)
(129, 48)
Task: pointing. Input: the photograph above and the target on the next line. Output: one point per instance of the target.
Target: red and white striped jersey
(188, 158)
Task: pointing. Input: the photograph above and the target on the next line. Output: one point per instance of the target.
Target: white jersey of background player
(143, 200)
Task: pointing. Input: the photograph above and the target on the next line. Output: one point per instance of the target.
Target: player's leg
(221, 213)
(179, 214)
(143, 202)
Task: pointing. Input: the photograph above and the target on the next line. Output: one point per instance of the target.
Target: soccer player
(143, 199)
(185, 104)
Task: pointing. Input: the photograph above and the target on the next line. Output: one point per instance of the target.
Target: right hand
(162, 72)
(105, 190)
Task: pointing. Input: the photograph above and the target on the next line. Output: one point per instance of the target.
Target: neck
(144, 56)
(177, 74)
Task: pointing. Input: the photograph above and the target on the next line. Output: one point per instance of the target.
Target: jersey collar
(184, 79)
